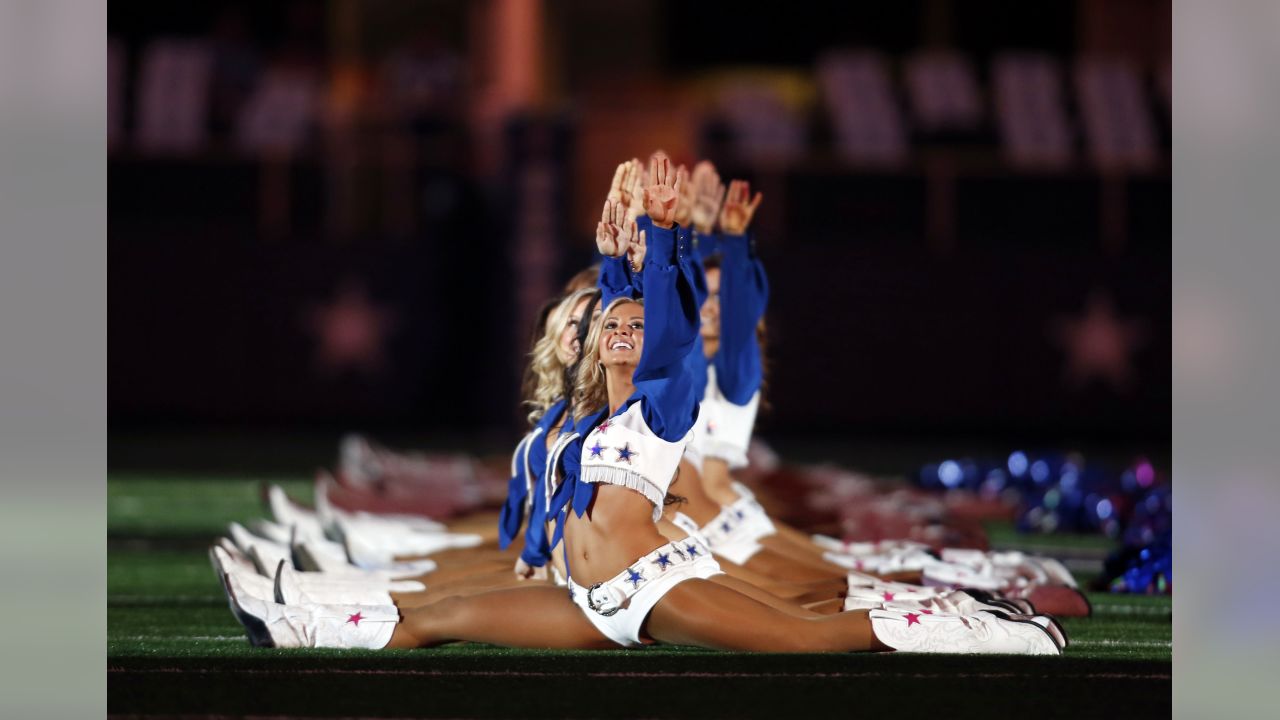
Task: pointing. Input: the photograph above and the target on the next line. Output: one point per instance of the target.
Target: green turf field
(173, 648)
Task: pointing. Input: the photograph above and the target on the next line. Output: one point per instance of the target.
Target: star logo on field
(1099, 344)
(351, 332)
(625, 453)
(355, 619)
(912, 619)
(597, 451)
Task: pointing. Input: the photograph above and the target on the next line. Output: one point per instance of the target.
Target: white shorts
(618, 607)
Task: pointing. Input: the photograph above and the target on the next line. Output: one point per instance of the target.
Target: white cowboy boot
(982, 633)
(955, 575)
(958, 602)
(233, 556)
(295, 588)
(372, 546)
(287, 513)
(270, 624)
(313, 560)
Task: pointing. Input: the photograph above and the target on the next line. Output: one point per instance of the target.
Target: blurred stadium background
(337, 215)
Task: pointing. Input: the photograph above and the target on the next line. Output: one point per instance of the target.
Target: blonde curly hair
(546, 370)
(590, 392)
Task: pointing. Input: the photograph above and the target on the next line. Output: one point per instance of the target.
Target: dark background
(916, 298)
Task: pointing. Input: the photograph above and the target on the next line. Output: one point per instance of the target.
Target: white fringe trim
(528, 474)
(629, 479)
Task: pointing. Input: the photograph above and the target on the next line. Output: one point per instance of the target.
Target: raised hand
(637, 176)
(663, 190)
(636, 250)
(619, 191)
(738, 210)
(708, 194)
(616, 230)
(688, 195)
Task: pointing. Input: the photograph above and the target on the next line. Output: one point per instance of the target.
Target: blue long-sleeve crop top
(744, 293)
(664, 388)
(528, 466)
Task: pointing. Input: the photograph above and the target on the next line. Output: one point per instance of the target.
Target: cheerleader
(634, 409)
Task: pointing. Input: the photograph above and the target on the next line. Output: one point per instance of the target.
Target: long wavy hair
(547, 373)
(590, 391)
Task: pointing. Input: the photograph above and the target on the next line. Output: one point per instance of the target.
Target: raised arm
(744, 293)
(622, 249)
(670, 314)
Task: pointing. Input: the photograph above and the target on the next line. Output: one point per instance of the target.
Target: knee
(448, 611)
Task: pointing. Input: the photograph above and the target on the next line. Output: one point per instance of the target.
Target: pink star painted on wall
(1099, 345)
(351, 332)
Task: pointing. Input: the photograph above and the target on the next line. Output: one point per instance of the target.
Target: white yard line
(182, 638)
(1121, 643)
(1133, 609)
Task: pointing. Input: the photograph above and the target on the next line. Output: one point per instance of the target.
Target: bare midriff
(717, 482)
(617, 530)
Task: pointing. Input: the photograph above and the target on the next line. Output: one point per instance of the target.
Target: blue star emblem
(692, 550)
(634, 578)
(663, 561)
(725, 526)
(625, 453)
(597, 450)
(741, 514)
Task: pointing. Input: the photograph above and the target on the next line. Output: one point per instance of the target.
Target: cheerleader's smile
(622, 335)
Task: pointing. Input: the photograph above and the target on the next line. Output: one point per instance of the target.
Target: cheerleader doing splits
(634, 409)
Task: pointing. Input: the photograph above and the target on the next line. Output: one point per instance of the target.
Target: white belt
(608, 597)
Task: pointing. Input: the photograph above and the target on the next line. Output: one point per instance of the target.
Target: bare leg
(525, 617)
(456, 557)
(783, 540)
(453, 574)
(796, 537)
(787, 606)
(827, 607)
(706, 614)
(779, 567)
(469, 585)
(800, 592)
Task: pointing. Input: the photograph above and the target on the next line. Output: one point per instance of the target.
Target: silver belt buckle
(591, 603)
